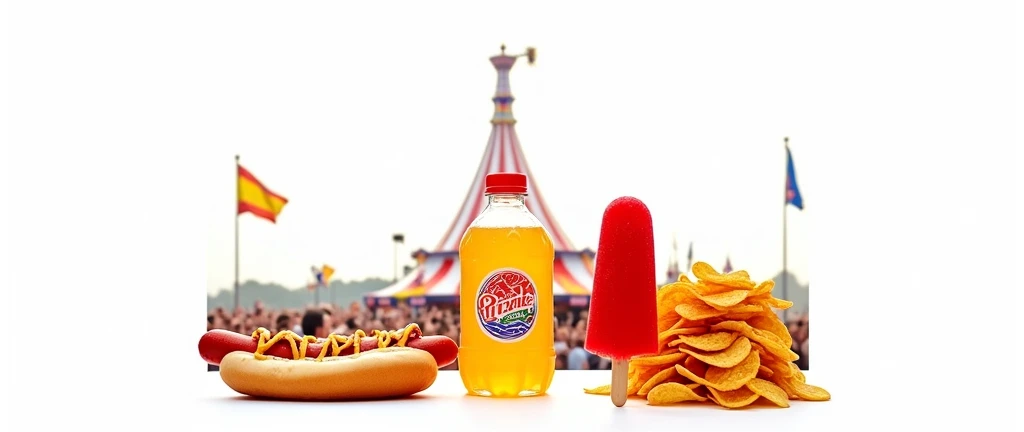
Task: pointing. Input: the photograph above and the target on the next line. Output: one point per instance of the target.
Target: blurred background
(361, 163)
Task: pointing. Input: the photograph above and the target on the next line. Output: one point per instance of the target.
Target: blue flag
(792, 191)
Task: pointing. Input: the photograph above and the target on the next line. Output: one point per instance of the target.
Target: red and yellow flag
(255, 198)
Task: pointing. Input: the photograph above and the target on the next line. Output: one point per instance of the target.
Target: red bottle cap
(505, 183)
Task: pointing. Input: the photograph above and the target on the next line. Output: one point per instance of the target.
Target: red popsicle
(623, 318)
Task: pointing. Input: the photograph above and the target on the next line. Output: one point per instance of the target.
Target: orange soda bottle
(507, 346)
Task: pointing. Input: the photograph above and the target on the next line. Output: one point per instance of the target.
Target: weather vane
(530, 54)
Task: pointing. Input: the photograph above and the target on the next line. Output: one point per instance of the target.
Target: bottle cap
(505, 183)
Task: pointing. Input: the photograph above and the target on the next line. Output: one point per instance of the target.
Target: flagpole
(238, 198)
(785, 203)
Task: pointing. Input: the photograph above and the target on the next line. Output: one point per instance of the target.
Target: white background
(914, 245)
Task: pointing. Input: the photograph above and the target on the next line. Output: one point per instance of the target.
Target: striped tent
(436, 278)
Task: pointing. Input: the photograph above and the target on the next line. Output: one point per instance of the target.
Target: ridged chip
(770, 342)
(738, 279)
(658, 378)
(709, 341)
(672, 393)
(771, 324)
(765, 287)
(800, 390)
(696, 366)
(696, 311)
(738, 398)
(769, 391)
(722, 300)
(732, 378)
(726, 358)
(658, 360)
(667, 335)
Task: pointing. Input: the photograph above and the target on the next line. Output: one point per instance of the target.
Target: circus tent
(436, 278)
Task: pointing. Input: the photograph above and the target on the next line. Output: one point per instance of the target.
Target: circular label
(506, 305)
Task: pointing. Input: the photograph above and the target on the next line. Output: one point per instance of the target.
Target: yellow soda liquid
(507, 344)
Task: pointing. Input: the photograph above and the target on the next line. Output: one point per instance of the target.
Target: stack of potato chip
(720, 341)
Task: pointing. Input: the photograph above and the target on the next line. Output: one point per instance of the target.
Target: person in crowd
(799, 330)
(283, 322)
(561, 361)
(578, 358)
(316, 322)
(561, 340)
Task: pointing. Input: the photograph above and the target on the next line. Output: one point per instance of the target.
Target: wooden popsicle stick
(620, 381)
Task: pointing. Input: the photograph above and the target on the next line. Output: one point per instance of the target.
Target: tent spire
(503, 94)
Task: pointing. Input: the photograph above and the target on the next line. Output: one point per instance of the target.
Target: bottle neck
(506, 200)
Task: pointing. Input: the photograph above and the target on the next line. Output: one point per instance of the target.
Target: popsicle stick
(620, 381)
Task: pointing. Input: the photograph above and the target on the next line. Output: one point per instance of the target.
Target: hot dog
(216, 344)
(387, 371)
(391, 372)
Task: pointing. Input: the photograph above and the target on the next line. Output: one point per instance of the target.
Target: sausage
(216, 344)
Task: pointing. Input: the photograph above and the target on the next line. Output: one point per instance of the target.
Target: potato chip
(658, 378)
(769, 391)
(667, 335)
(773, 325)
(796, 372)
(658, 360)
(692, 376)
(669, 321)
(672, 393)
(770, 342)
(739, 273)
(764, 372)
(709, 341)
(732, 378)
(726, 358)
(763, 288)
(599, 390)
(722, 300)
(778, 367)
(772, 302)
(797, 389)
(638, 377)
(708, 288)
(704, 271)
(696, 310)
(696, 366)
(741, 309)
(741, 316)
(738, 398)
(673, 294)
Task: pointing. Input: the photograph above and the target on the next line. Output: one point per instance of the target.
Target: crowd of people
(325, 319)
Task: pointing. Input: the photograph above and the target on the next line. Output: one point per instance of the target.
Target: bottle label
(506, 305)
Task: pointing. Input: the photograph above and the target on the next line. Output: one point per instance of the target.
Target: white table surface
(445, 407)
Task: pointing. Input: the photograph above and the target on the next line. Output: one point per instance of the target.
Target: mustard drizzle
(337, 343)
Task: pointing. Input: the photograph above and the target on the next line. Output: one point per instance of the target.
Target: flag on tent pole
(323, 274)
(792, 190)
(252, 197)
(257, 199)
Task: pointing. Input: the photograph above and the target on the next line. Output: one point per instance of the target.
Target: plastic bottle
(507, 346)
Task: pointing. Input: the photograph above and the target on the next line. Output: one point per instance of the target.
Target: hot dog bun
(391, 372)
